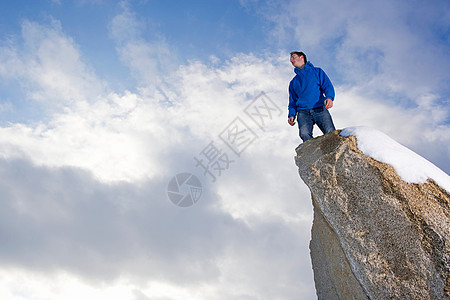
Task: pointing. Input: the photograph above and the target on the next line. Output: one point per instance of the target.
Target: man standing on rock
(311, 94)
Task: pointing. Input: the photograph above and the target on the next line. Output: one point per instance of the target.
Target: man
(311, 94)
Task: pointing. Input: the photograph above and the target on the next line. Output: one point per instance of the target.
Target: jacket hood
(307, 66)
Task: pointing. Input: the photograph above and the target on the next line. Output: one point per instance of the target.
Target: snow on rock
(410, 166)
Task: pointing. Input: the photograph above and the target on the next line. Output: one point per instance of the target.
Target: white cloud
(388, 61)
(49, 66)
(131, 137)
(148, 59)
(415, 127)
(89, 185)
(393, 49)
(64, 221)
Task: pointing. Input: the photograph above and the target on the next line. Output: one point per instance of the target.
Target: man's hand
(291, 121)
(328, 103)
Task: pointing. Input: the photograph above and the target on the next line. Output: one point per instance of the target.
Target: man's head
(298, 59)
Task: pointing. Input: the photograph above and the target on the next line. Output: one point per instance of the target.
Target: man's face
(297, 61)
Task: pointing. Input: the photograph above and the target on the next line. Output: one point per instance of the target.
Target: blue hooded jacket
(309, 89)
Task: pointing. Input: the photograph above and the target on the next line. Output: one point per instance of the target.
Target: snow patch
(410, 166)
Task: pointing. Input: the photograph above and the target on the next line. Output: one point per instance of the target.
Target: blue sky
(103, 102)
(192, 29)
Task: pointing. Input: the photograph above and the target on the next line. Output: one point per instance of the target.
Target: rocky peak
(374, 236)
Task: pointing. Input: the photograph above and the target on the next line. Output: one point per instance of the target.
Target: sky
(112, 110)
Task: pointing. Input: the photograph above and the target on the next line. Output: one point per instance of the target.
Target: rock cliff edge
(374, 236)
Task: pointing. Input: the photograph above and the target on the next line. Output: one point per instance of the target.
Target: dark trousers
(306, 119)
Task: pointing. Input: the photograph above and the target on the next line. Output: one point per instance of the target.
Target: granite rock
(374, 236)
